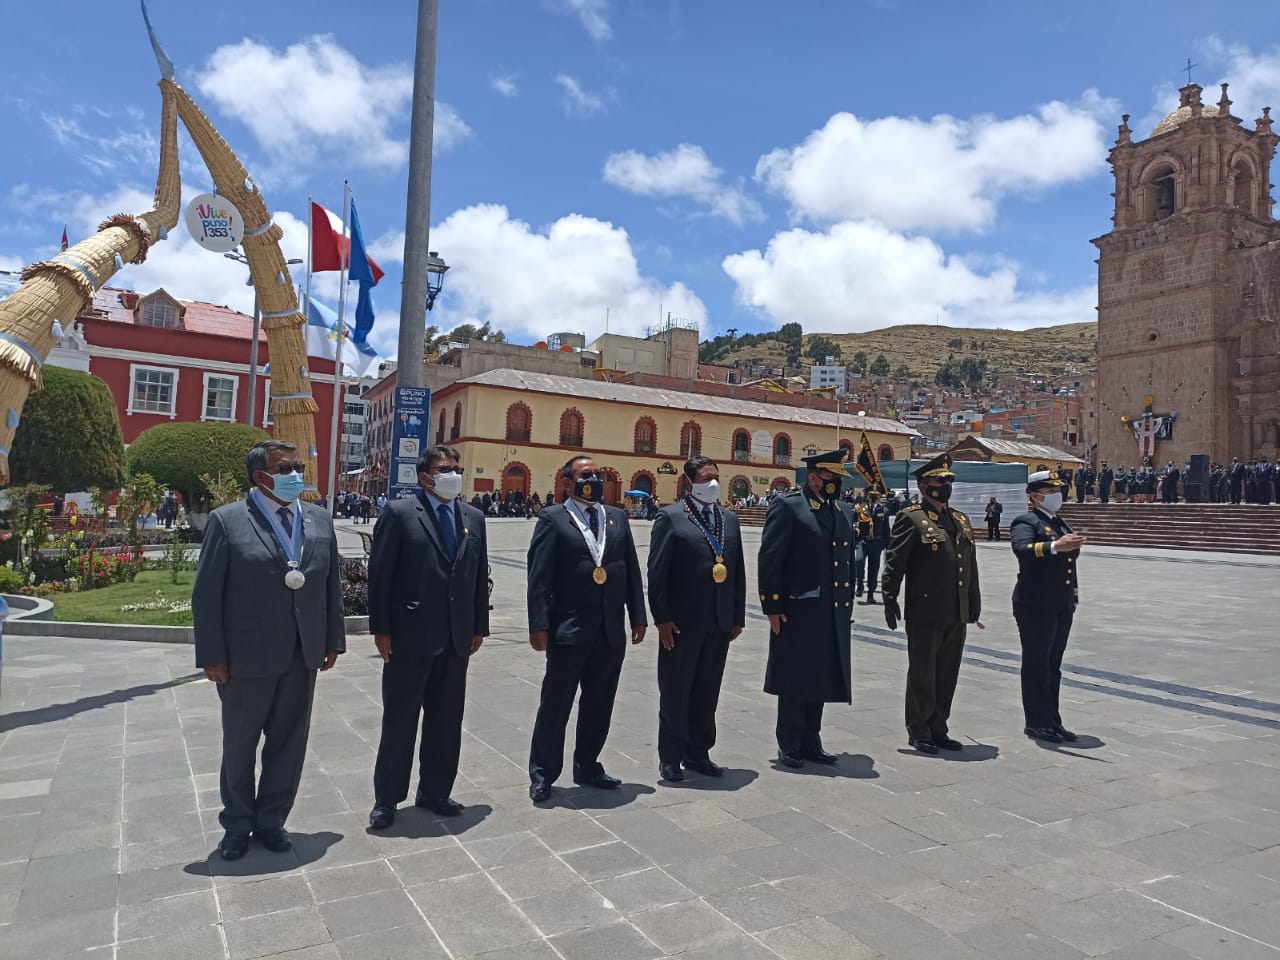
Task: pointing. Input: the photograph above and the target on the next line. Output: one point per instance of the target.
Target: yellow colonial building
(515, 430)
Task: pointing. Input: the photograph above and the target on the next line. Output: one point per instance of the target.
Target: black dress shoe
(870, 601)
(276, 840)
(382, 816)
(820, 756)
(601, 780)
(443, 806)
(946, 743)
(1066, 734)
(858, 590)
(539, 792)
(1046, 734)
(924, 745)
(704, 766)
(792, 760)
(233, 845)
(671, 772)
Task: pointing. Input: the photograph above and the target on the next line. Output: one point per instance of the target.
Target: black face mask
(940, 492)
(830, 489)
(589, 486)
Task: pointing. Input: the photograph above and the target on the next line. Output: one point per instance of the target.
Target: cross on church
(1188, 69)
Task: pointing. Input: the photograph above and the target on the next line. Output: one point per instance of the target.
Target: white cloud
(942, 173)
(685, 171)
(580, 101)
(505, 85)
(1254, 79)
(594, 15)
(104, 153)
(860, 275)
(532, 283)
(315, 97)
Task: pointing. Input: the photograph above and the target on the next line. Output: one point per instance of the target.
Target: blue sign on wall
(408, 439)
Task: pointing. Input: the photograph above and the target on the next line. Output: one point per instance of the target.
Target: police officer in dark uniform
(1044, 602)
(806, 590)
(932, 546)
(1105, 478)
(876, 540)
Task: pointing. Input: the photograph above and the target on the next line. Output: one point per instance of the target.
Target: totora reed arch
(54, 292)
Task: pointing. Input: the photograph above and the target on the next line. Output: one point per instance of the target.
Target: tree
(141, 496)
(792, 335)
(179, 454)
(860, 361)
(902, 372)
(822, 347)
(880, 366)
(69, 435)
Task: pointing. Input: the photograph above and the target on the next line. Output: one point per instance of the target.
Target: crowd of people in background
(1254, 481)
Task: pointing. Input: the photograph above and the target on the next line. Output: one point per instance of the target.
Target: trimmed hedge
(176, 454)
(69, 435)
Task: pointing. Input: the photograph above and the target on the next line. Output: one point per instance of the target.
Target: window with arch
(440, 429)
(848, 448)
(1242, 186)
(1161, 193)
(782, 450)
(456, 432)
(644, 482)
(519, 423)
(646, 439)
(690, 440)
(739, 488)
(884, 454)
(741, 446)
(571, 428)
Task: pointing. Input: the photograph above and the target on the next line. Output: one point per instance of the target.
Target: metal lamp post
(253, 344)
(436, 268)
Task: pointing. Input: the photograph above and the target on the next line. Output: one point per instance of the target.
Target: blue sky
(847, 165)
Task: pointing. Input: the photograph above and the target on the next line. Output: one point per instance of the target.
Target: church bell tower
(1189, 286)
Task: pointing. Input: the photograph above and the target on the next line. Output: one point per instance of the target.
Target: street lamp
(436, 268)
(253, 344)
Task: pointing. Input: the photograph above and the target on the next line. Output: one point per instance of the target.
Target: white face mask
(1052, 502)
(708, 492)
(448, 485)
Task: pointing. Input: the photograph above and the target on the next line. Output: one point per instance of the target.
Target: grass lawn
(103, 606)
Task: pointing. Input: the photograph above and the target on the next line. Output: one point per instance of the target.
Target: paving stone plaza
(1156, 837)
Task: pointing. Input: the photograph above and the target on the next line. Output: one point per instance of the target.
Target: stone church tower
(1189, 288)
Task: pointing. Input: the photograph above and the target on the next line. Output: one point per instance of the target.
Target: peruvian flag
(328, 247)
(64, 238)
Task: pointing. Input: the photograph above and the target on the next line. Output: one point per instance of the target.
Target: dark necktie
(593, 521)
(286, 521)
(706, 517)
(445, 513)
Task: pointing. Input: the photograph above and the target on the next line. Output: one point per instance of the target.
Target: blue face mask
(287, 487)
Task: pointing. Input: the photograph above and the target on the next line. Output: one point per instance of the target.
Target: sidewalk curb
(128, 631)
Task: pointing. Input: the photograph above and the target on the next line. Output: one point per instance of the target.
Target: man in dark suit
(582, 573)
(932, 547)
(806, 590)
(698, 596)
(1044, 603)
(1170, 476)
(428, 613)
(1105, 478)
(267, 609)
(994, 509)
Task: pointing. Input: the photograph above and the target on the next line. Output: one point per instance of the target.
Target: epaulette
(913, 507)
(961, 515)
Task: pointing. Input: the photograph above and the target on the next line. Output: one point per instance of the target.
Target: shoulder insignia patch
(912, 509)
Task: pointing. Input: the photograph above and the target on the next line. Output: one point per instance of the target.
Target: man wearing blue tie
(428, 613)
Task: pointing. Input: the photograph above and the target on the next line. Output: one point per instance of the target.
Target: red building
(167, 360)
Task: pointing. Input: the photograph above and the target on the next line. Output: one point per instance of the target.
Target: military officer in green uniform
(806, 590)
(932, 546)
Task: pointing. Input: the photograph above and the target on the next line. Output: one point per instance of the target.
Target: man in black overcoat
(1044, 603)
(582, 574)
(806, 590)
(698, 597)
(428, 613)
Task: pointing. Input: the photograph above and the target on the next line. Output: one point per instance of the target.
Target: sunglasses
(284, 469)
(442, 470)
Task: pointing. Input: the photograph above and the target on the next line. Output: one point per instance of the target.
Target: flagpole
(311, 244)
(338, 395)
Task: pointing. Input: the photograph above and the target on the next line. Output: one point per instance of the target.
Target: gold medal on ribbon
(599, 575)
(719, 572)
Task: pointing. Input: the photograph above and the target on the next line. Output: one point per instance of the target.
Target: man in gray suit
(267, 608)
(428, 613)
